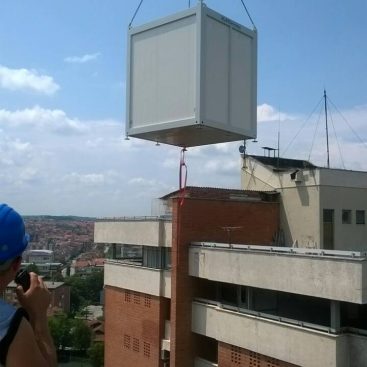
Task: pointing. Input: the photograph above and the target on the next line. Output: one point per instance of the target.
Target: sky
(62, 101)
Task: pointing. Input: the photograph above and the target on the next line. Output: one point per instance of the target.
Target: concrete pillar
(335, 315)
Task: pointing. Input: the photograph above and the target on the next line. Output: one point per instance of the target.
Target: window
(137, 298)
(136, 346)
(235, 355)
(127, 296)
(346, 216)
(146, 349)
(147, 300)
(127, 341)
(156, 257)
(360, 217)
(328, 215)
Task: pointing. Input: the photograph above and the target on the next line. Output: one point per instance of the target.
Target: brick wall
(134, 328)
(203, 220)
(60, 298)
(232, 356)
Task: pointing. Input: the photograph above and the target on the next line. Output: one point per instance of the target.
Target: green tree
(96, 354)
(84, 290)
(60, 331)
(81, 335)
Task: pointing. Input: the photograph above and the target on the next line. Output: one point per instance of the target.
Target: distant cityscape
(67, 237)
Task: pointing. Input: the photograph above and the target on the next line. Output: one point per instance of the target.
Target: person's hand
(36, 299)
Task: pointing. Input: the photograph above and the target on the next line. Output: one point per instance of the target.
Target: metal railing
(320, 253)
(266, 316)
(136, 218)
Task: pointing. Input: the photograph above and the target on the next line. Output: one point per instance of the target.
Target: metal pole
(327, 131)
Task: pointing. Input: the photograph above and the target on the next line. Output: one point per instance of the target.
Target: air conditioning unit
(297, 176)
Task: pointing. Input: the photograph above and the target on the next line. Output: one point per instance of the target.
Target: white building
(39, 256)
(320, 207)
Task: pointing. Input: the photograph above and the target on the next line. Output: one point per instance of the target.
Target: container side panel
(163, 74)
(242, 81)
(216, 71)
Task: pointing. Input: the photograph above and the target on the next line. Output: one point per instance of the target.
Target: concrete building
(320, 207)
(208, 287)
(39, 256)
(85, 266)
(43, 259)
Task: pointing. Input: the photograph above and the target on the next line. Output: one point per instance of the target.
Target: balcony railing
(285, 320)
(135, 218)
(335, 254)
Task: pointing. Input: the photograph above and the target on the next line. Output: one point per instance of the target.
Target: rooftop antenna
(327, 130)
(278, 139)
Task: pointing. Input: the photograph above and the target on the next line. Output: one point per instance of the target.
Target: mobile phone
(23, 278)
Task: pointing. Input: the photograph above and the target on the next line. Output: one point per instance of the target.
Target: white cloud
(92, 170)
(82, 59)
(24, 79)
(141, 181)
(91, 179)
(43, 119)
(266, 112)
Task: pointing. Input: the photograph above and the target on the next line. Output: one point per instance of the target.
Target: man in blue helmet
(25, 340)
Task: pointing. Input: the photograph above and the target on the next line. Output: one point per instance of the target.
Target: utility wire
(302, 127)
(314, 135)
(346, 121)
(136, 12)
(337, 140)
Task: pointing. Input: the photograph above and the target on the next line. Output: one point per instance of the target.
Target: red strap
(182, 176)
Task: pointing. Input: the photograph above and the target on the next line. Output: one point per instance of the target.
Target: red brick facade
(203, 220)
(134, 328)
(232, 356)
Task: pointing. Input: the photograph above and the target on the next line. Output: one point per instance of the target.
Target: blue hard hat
(13, 239)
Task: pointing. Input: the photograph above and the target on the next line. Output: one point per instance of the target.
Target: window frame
(349, 219)
(361, 220)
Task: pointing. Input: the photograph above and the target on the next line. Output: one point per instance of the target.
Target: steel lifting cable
(248, 14)
(189, 5)
(136, 12)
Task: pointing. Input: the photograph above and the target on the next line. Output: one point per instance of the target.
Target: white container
(192, 79)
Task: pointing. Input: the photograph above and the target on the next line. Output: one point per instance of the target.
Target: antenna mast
(327, 131)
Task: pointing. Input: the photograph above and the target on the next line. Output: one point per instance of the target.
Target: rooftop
(283, 163)
(222, 194)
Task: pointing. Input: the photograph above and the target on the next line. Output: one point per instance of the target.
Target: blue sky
(62, 100)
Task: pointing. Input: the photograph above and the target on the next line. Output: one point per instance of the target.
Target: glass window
(360, 217)
(328, 215)
(346, 216)
(229, 293)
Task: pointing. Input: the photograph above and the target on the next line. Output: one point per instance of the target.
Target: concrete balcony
(335, 275)
(143, 231)
(290, 343)
(156, 282)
